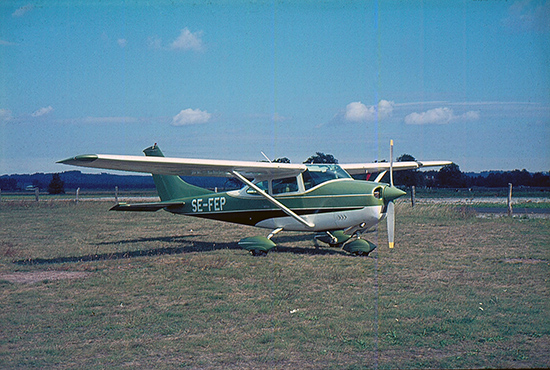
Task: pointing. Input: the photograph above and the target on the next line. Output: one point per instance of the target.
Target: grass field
(83, 287)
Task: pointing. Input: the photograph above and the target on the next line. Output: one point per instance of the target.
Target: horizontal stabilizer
(146, 207)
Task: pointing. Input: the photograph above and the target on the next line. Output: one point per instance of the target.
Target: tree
(282, 160)
(540, 179)
(8, 183)
(450, 176)
(321, 158)
(56, 186)
(408, 177)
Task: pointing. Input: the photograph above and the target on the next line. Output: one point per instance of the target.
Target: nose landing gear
(355, 246)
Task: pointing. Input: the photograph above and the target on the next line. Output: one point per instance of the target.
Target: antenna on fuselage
(266, 157)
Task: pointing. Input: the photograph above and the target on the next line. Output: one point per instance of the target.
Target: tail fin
(172, 187)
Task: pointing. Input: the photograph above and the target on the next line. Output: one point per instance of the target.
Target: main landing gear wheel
(257, 245)
(258, 253)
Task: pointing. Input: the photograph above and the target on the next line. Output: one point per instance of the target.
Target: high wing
(224, 168)
(361, 168)
(186, 166)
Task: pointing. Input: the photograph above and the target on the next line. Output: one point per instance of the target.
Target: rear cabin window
(318, 173)
(286, 185)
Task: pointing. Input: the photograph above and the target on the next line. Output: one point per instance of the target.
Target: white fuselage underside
(370, 216)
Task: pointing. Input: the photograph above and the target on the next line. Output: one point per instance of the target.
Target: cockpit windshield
(319, 173)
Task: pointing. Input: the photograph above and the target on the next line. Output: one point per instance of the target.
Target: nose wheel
(359, 247)
(334, 239)
(352, 244)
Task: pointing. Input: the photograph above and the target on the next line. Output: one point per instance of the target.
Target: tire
(258, 253)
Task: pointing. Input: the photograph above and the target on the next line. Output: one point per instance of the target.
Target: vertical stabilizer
(171, 187)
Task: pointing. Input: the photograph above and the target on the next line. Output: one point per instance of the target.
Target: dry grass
(162, 291)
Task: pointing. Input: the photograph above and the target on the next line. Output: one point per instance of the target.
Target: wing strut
(274, 201)
(379, 177)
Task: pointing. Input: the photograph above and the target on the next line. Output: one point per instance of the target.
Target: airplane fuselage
(332, 205)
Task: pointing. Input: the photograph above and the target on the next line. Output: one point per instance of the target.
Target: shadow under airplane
(192, 246)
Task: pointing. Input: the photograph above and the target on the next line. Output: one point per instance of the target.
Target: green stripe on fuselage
(252, 217)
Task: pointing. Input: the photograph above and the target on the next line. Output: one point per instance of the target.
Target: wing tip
(83, 158)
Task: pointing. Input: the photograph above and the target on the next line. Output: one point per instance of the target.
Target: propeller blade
(390, 218)
(391, 193)
(391, 163)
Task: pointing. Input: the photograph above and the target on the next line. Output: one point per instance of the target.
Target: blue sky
(466, 81)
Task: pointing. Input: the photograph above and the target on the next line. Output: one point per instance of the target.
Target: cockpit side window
(286, 185)
(317, 174)
(309, 181)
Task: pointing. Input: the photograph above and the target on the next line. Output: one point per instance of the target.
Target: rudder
(171, 187)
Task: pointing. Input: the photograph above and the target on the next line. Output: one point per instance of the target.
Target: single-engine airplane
(321, 198)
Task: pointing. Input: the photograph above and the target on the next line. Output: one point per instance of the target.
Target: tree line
(451, 176)
(447, 177)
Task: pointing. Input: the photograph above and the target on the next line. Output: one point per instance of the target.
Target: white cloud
(122, 42)
(42, 111)
(278, 118)
(154, 42)
(188, 41)
(385, 108)
(191, 117)
(109, 120)
(5, 115)
(525, 16)
(359, 112)
(432, 116)
(6, 43)
(439, 116)
(471, 115)
(22, 10)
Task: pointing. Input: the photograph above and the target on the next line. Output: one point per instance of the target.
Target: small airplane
(322, 198)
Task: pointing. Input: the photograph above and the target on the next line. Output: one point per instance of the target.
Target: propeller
(390, 219)
(391, 163)
(391, 193)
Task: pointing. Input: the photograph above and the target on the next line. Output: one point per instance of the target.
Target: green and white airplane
(321, 198)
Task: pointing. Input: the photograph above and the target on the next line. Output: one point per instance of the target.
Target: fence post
(77, 195)
(413, 195)
(36, 193)
(116, 194)
(510, 199)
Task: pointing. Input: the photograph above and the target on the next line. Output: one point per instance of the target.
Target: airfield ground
(87, 288)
